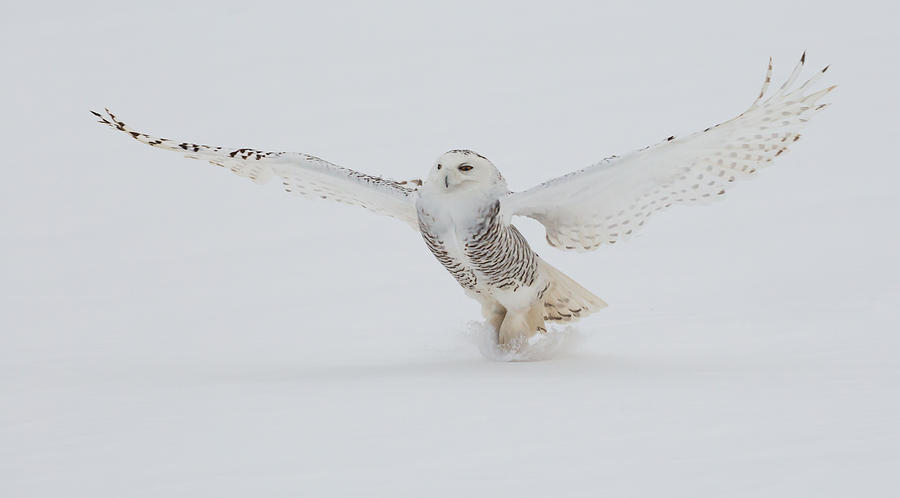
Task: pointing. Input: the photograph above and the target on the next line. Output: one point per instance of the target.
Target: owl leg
(518, 326)
(494, 313)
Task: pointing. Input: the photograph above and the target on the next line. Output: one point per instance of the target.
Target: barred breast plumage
(487, 254)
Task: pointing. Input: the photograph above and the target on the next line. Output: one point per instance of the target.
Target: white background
(171, 330)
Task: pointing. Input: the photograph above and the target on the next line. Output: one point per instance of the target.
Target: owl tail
(564, 299)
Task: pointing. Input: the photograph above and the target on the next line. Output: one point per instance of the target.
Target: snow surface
(172, 330)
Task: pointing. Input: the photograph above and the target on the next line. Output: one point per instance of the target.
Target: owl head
(464, 171)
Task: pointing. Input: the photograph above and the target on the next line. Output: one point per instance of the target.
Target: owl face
(463, 170)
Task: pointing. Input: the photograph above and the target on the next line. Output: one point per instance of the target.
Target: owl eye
(465, 167)
(439, 166)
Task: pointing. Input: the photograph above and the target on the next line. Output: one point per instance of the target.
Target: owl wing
(300, 174)
(613, 199)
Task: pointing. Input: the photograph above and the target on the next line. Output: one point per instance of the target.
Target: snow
(552, 344)
(168, 329)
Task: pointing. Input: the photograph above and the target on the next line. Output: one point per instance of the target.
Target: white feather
(613, 199)
(300, 174)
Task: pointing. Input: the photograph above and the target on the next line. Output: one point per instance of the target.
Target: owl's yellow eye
(465, 167)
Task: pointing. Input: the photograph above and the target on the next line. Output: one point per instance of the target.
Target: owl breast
(481, 252)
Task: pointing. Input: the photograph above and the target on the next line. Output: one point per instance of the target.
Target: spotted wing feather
(300, 173)
(613, 199)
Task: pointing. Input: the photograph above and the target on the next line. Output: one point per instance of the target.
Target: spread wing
(300, 174)
(612, 199)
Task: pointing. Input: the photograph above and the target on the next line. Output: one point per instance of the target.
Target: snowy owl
(463, 209)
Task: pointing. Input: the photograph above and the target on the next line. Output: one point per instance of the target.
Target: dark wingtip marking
(826, 68)
(803, 58)
(670, 138)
